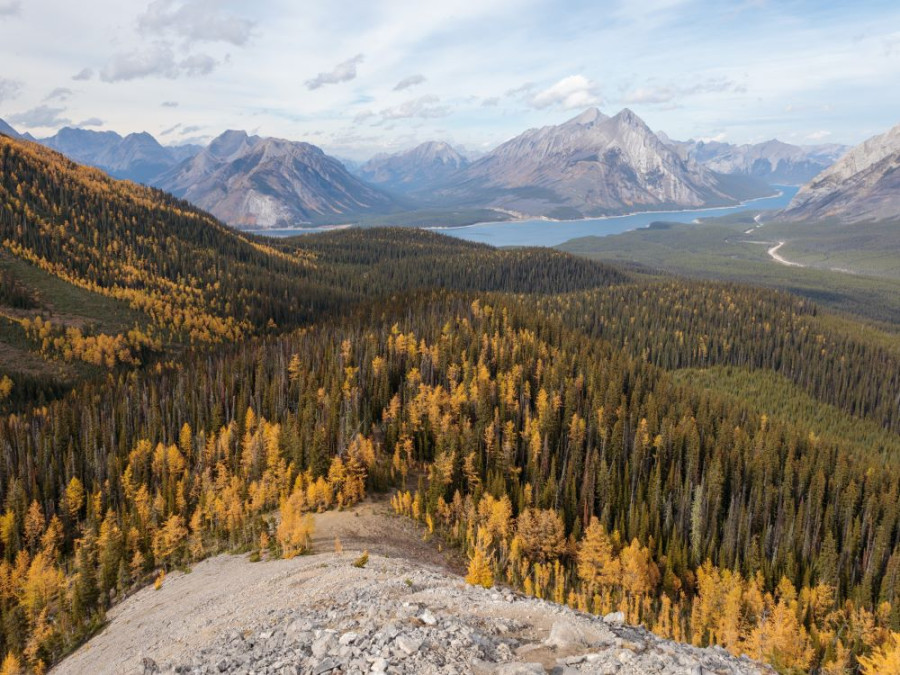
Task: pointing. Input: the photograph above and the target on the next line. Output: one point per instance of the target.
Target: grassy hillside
(735, 248)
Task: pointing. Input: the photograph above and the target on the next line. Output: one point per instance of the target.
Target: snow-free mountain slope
(863, 185)
(590, 165)
(138, 157)
(425, 165)
(253, 182)
(773, 161)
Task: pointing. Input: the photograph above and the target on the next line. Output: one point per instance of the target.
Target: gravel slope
(320, 614)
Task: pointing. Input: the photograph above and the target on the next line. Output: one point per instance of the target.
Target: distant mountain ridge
(138, 156)
(590, 165)
(772, 161)
(254, 182)
(423, 166)
(863, 185)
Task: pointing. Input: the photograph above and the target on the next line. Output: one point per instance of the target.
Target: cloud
(198, 64)
(526, 88)
(10, 7)
(169, 104)
(158, 61)
(343, 72)
(660, 94)
(91, 122)
(195, 21)
(84, 74)
(408, 82)
(60, 94)
(424, 107)
(170, 130)
(490, 102)
(9, 89)
(818, 135)
(575, 91)
(363, 116)
(42, 116)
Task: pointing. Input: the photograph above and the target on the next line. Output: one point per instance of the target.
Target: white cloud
(342, 72)
(195, 21)
(91, 122)
(818, 135)
(9, 89)
(158, 61)
(84, 74)
(575, 91)
(660, 94)
(408, 82)
(169, 104)
(424, 107)
(42, 116)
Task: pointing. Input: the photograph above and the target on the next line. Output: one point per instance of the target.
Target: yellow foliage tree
(294, 532)
(884, 660)
(598, 564)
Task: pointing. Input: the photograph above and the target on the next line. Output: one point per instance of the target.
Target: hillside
(141, 275)
(589, 166)
(863, 185)
(522, 407)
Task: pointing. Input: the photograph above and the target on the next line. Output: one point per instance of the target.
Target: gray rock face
(863, 185)
(590, 165)
(254, 182)
(771, 161)
(424, 166)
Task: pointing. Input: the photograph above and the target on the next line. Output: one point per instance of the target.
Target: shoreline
(546, 219)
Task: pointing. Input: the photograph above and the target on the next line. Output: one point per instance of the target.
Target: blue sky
(359, 77)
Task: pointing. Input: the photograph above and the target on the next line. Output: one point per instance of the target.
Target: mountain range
(138, 157)
(863, 185)
(591, 165)
(772, 161)
(253, 182)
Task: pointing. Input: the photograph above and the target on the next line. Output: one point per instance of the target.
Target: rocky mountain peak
(589, 117)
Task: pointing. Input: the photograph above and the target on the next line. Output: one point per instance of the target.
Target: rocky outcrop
(253, 182)
(320, 614)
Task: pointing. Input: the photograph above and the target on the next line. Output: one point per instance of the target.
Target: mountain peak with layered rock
(588, 166)
(256, 182)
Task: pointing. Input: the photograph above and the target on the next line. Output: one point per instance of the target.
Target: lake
(539, 232)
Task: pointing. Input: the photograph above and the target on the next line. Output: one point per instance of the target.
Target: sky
(358, 77)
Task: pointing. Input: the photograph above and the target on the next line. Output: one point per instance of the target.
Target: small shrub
(362, 560)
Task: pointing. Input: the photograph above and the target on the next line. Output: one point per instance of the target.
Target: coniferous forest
(596, 436)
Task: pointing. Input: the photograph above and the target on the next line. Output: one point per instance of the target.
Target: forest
(584, 433)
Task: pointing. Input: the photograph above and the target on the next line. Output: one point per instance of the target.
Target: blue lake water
(539, 232)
